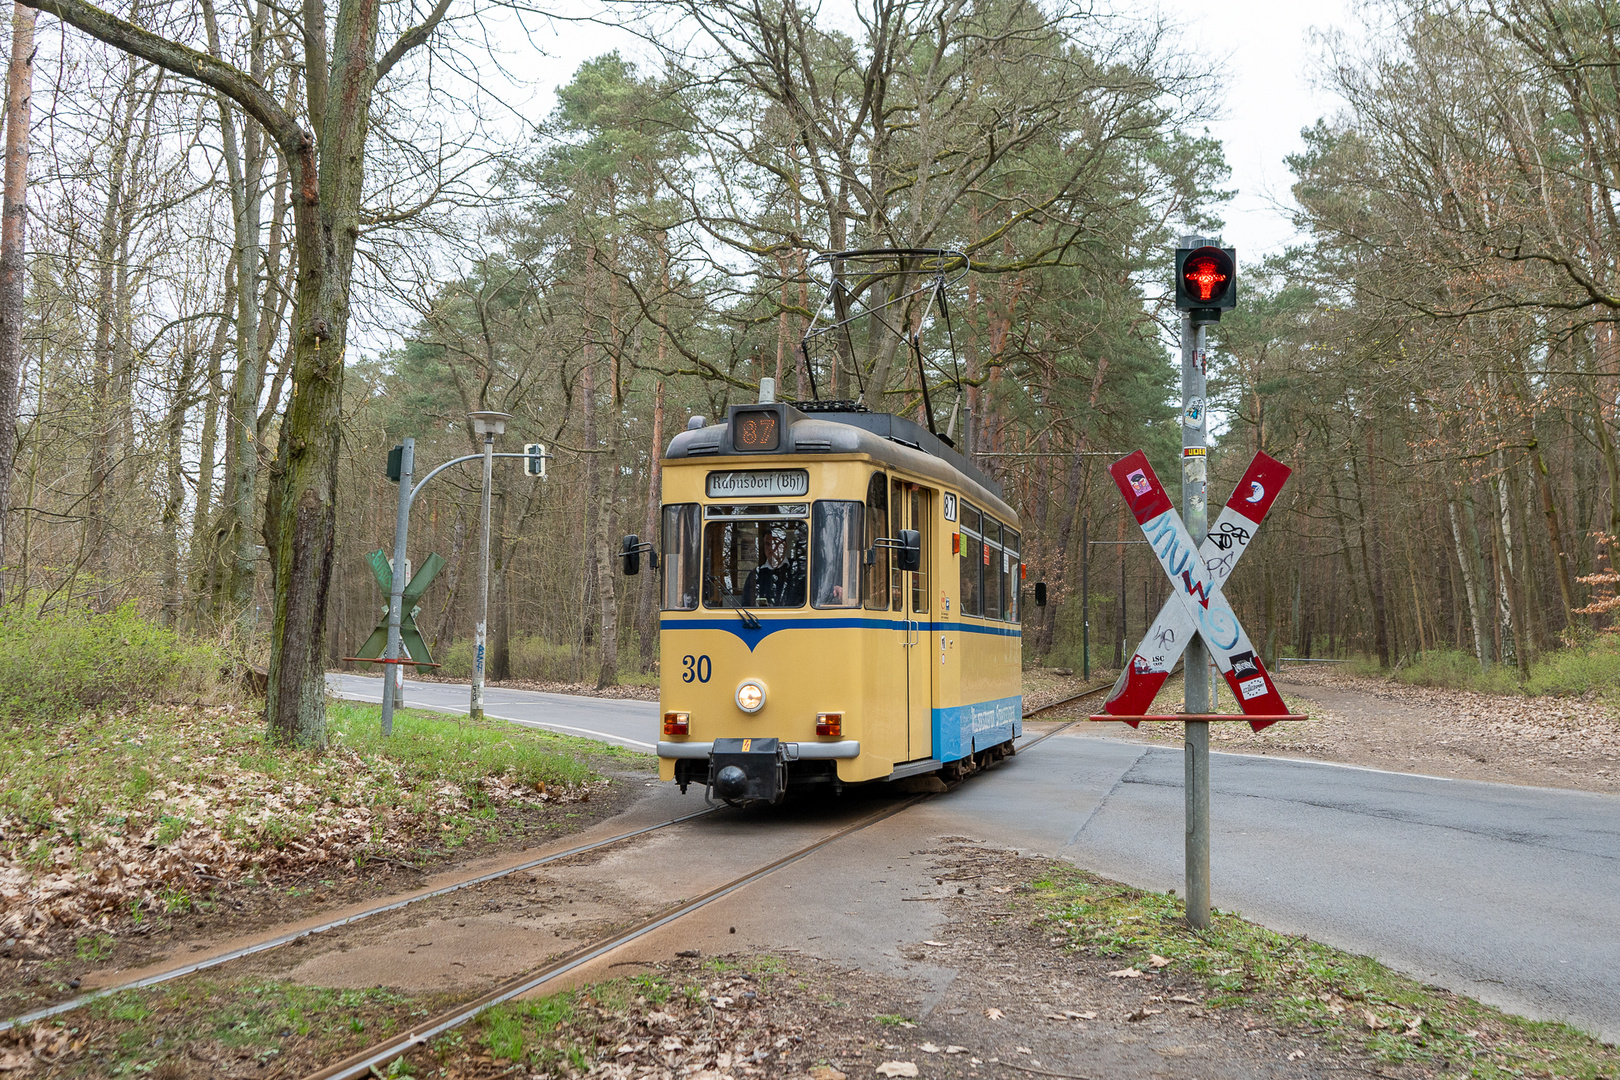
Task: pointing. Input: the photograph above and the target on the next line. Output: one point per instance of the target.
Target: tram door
(910, 507)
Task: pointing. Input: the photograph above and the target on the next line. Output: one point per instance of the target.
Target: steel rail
(1099, 688)
(366, 1061)
(192, 968)
(362, 1063)
(204, 964)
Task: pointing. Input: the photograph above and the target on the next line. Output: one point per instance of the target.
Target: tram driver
(778, 580)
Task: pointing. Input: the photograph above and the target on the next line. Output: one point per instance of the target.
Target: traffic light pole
(1196, 677)
(394, 673)
(1195, 512)
(402, 528)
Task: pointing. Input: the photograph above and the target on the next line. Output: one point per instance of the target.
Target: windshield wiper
(749, 619)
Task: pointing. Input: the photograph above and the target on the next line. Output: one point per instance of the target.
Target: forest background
(1437, 361)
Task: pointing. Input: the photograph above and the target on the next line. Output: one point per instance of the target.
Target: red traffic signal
(1206, 279)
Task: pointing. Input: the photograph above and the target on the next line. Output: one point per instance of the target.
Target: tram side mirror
(910, 555)
(1040, 594)
(871, 555)
(631, 551)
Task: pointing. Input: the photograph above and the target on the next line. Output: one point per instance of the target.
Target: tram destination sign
(757, 483)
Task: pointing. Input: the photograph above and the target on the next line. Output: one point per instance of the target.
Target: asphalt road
(1509, 894)
(613, 720)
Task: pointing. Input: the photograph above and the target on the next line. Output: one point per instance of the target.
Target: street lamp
(489, 425)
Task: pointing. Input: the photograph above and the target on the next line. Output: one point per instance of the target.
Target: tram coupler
(748, 770)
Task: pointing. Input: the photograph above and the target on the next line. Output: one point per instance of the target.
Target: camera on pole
(1206, 282)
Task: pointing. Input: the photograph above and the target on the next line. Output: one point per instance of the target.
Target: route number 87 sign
(1197, 575)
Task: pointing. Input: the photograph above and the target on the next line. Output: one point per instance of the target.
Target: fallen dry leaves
(99, 856)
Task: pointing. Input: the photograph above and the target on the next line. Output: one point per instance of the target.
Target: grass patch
(191, 796)
(54, 665)
(1451, 669)
(1591, 664)
(441, 747)
(1350, 1002)
(564, 1030)
(224, 1023)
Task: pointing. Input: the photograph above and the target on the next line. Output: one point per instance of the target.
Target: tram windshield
(754, 561)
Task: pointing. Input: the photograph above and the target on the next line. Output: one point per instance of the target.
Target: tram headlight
(751, 696)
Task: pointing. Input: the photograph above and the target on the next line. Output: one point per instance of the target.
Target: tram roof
(888, 439)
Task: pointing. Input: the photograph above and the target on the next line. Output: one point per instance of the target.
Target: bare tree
(325, 158)
(13, 246)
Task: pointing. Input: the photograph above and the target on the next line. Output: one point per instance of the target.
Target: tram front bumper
(750, 770)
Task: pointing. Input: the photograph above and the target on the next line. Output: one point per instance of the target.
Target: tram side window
(897, 504)
(837, 532)
(924, 524)
(877, 518)
(972, 553)
(1011, 582)
(990, 561)
(680, 561)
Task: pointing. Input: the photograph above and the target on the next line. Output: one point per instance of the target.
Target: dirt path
(1541, 741)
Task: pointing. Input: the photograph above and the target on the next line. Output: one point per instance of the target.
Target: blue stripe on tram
(964, 729)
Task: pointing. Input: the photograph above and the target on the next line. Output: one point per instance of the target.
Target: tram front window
(757, 563)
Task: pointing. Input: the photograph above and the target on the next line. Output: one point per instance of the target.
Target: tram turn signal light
(956, 543)
(677, 723)
(830, 724)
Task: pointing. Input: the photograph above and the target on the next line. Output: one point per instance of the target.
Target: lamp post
(489, 425)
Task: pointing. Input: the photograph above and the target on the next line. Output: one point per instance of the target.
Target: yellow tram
(841, 595)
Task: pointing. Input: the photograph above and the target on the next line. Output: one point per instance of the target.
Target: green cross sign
(410, 638)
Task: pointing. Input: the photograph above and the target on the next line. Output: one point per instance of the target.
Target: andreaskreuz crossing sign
(1197, 577)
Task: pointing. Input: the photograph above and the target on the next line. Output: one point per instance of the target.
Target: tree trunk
(1472, 564)
(244, 169)
(608, 674)
(649, 601)
(102, 456)
(1513, 623)
(325, 164)
(301, 511)
(13, 249)
(1555, 534)
(204, 569)
(593, 501)
(175, 495)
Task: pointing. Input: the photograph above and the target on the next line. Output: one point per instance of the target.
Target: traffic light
(396, 463)
(1206, 281)
(534, 459)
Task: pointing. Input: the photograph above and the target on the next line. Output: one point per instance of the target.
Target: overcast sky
(1265, 47)
(1269, 54)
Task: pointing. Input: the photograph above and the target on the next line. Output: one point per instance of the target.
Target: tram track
(276, 941)
(1070, 700)
(584, 954)
(367, 1062)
